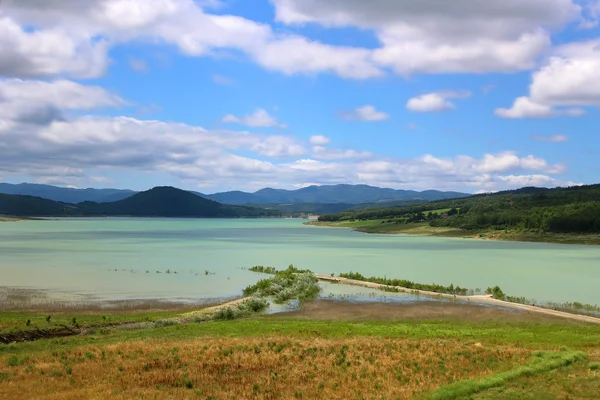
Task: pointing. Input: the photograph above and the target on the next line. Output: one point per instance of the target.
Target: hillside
(30, 206)
(560, 210)
(156, 202)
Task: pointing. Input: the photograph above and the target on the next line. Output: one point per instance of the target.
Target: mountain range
(328, 194)
(156, 202)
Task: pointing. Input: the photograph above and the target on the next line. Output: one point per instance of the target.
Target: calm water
(81, 256)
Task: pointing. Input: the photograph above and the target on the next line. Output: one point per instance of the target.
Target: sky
(215, 95)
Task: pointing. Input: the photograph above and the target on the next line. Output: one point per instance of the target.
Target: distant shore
(4, 218)
(423, 229)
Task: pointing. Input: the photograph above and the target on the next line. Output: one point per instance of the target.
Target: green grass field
(274, 357)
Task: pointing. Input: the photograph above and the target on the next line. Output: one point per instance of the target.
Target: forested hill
(157, 202)
(572, 209)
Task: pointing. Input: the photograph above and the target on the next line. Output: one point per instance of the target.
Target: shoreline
(422, 230)
(482, 299)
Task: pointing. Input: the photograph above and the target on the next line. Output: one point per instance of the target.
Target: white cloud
(441, 36)
(65, 38)
(568, 81)
(365, 113)
(435, 102)
(518, 181)
(571, 77)
(551, 138)
(278, 146)
(73, 38)
(67, 151)
(260, 118)
(524, 107)
(296, 54)
(325, 153)
(319, 140)
(42, 102)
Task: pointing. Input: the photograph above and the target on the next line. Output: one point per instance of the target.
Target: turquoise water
(81, 256)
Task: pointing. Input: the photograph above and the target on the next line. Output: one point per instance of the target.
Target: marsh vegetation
(285, 285)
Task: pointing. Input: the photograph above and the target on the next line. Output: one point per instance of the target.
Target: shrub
(286, 285)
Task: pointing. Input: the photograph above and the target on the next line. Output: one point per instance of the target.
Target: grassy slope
(423, 229)
(285, 358)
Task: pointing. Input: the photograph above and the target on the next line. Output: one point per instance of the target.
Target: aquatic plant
(285, 285)
(406, 284)
(263, 270)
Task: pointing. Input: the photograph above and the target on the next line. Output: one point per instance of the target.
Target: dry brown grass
(244, 368)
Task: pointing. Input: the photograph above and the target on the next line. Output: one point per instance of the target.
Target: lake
(123, 258)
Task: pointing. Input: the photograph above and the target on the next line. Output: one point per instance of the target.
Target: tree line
(561, 210)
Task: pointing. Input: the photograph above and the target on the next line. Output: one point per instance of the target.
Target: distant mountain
(66, 195)
(352, 196)
(171, 202)
(349, 194)
(156, 202)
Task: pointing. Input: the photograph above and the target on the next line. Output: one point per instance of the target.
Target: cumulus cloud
(568, 81)
(551, 138)
(260, 118)
(73, 37)
(37, 40)
(435, 102)
(40, 102)
(364, 113)
(524, 107)
(319, 140)
(68, 150)
(440, 36)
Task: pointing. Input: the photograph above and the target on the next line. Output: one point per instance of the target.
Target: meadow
(305, 355)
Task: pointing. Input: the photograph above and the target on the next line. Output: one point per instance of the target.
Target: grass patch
(270, 367)
(283, 358)
(542, 362)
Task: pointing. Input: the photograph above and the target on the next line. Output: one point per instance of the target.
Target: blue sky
(219, 95)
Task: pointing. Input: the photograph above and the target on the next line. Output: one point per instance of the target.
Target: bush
(286, 285)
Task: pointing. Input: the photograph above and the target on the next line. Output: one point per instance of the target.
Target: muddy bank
(481, 299)
(31, 335)
(24, 299)
(419, 311)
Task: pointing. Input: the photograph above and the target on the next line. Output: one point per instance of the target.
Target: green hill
(31, 206)
(560, 210)
(156, 202)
